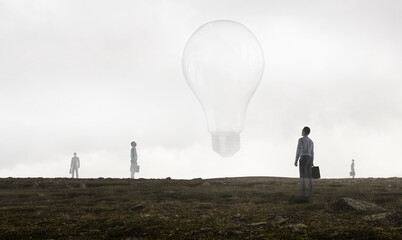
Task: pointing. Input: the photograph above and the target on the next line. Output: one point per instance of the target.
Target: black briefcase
(315, 171)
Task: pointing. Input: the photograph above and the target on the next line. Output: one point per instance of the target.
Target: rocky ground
(227, 208)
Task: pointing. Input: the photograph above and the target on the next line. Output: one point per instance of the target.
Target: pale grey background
(91, 76)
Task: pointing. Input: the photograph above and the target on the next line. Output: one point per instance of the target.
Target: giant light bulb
(223, 64)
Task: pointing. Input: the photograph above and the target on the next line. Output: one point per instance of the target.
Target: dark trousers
(306, 163)
(74, 170)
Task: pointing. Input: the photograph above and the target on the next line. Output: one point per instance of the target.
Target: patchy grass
(227, 208)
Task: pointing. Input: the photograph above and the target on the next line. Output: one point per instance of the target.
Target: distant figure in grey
(75, 164)
(352, 169)
(305, 151)
(134, 157)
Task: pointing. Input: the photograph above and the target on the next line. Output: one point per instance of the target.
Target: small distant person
(305, 152)
(352, 169)
(134, 157)
(75, 164)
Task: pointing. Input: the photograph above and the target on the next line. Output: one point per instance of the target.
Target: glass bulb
(223, 64)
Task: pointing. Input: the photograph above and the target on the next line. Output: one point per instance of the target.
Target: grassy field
(227, 208)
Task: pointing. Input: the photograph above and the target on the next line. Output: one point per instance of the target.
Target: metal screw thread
(226, 144)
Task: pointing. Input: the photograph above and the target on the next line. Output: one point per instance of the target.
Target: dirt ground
(226, 208)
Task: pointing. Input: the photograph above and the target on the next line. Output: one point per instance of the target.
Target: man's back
(305, 147)
(75, 162)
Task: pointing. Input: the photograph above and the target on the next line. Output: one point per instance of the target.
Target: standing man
(305, 151)
(352, 169)
(75, 164)
(134, 157)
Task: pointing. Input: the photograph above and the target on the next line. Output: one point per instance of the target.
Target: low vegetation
(227, 208)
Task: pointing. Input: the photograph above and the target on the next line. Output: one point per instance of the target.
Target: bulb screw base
(226, 144)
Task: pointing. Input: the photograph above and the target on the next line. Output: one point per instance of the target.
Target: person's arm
(135, 155)
(312, 153)
(132, 155)
(78, 162)
(297, 152)
(71, 165)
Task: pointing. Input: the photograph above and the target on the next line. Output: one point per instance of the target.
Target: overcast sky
(92, 76)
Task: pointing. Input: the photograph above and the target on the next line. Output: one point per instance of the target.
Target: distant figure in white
(134, 167)
(352, 169)
(305, 151)
(75, 164)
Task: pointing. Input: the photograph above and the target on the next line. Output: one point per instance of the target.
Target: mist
(91, 76)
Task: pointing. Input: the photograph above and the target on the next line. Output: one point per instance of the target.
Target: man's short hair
(306, 130)
(133, 143)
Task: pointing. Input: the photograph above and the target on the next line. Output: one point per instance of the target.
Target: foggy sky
(92, 76)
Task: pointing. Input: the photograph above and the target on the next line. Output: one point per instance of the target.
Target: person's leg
(77, 172)
(309, 166)
(302, 171)
(310, 186)
(132, 170)
(302, 187)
